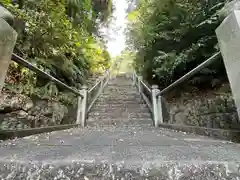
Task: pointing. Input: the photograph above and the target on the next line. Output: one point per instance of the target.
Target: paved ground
(130, 150)
(134, 151)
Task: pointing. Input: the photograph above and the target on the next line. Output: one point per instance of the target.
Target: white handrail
(146, 87)
(141, 81)
(40, 72)
(98, 94)
(201, 66)
(141, 84)
(104, 80)
(157, 99)
(90, 90)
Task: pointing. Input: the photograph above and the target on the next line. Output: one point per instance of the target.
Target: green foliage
(58, 37)
(125, 61)
(173, 37)
(103, 8)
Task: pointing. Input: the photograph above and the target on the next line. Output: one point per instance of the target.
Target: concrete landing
(115, 153)
(119, 143)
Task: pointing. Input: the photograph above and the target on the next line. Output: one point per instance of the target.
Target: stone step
(120, 90)
(119, 152)
(119, 148)
(131, 123)
(120, 99)
(116, 94)
(121, 93)
(115, 86)
(114, 118)
(99, 118)
(117, 106)
(118, 85)
(136, 102)
(80, 169)
(121, 109)
(120, 119)
(120, 103)
(117, 112)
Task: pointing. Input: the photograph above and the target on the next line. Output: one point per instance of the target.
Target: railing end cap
(6, 15)
(154, 86)
(84, 86)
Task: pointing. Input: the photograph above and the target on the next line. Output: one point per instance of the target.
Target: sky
(114, 34)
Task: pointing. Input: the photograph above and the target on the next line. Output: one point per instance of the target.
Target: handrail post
(134, 78)
(82, 107)
(108, 77)
(101, 84)
(140, 78)
(84, 92)
(155, 101)
(137, 80)
(7, 43)
(160, 109)
(79, 110)
(108, 74)
(228, 35)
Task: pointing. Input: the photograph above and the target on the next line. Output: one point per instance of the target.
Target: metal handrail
(82, 96)
(141, 84)
(102, 84)
(10, 134)
(90, 90)
(95, 99)
(190, 73)
(83, 107)
(98, 82)
(148, 102)
(28, 65)
(146, 87)
(157, 100)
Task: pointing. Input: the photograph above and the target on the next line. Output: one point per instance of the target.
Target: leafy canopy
(172, 37)
(58, 36)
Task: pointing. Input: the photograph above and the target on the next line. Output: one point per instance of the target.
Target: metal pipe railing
(157, 99)
(82, 94)
(145, 86)
(148, 102)
(190, 73)
(100, 81)
(137, 80)
(94, 87)
(40, 72)
(102, 84)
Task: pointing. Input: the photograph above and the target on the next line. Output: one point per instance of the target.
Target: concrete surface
(140, 152)
(228, 34)
(124, 151)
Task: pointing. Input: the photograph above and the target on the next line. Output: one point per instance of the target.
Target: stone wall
(211, 109)
(19, 111)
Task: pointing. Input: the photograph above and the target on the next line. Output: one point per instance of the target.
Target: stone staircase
(120, 105)
(116, 145)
